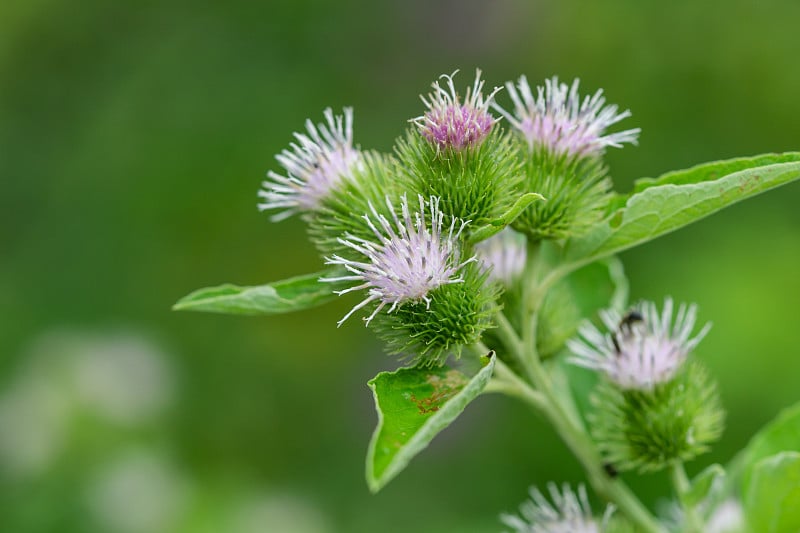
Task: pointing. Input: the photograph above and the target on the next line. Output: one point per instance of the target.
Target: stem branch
(541, 395)
(681, 483)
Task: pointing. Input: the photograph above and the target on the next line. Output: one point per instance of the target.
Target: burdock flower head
(314, 165)
(558, 121)
(412, 255)
(568, 513)
(656, 407)
(642, 349)
(504, 255)
(450, 123)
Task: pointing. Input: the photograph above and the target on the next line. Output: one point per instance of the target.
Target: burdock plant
(483, 251)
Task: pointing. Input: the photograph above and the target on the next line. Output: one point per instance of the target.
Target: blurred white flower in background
(118, 378)
(123, 378)
(277, 511)
(101, 393)
(33, 422)
(137, 492)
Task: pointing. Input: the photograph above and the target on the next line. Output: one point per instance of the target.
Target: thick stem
(547, 402)
(584, 450)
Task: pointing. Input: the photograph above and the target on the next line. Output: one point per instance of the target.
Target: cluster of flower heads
(411, 256)
(642, 349)
(569, 512)
(404, 255)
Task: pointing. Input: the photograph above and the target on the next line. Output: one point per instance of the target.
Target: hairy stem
(541, 395)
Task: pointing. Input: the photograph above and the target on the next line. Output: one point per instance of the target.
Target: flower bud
(564, 141)
(451, 125)
(341, 211)
(653, 408)
(455, 154)
(412, 266)
(504, 256)
(648, 430)
(314, 166)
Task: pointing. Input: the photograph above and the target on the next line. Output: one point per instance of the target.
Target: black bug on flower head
(631, 317)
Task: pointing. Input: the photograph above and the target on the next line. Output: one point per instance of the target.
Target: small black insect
(631, 317)
(610, 470)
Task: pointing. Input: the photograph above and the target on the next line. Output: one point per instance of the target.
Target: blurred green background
(133, 138)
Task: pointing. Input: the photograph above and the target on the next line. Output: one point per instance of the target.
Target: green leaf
(577, 297)
(772, 496)
(496, 225)
(414, 405)
(780, 435)
(702, 485)
(293, 294)
(676, 199)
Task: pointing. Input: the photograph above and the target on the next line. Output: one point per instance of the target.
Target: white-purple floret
(639, 354)
(568, 513)
(451, 123)
(557, 120)
(411, 255)
(504, 255)
(315, 164)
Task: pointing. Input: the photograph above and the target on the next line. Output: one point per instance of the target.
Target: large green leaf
(780, 435)
(414, 405)
(293, 294)
(659, 206)
(772, 496)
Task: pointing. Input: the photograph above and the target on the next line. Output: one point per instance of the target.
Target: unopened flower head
(412, 254)
(504, 254)
(451, 123)
(642, 349)
(557, 120)
(314, 165)
(568, 513)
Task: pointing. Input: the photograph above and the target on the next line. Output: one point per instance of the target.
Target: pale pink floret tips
(557, 120)
(451, 123)
(640, 353)
(504, 255)
(314, 164)
(565, 512)
(411, 255)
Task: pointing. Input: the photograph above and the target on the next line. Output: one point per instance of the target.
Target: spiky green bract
(577, 190)
(476, 184)
(457, 315)
(650, 430)
(341, 212)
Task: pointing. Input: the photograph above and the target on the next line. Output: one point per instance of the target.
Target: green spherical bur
(342, 211)
(650, 430)
(576, 192)
(477, 184)
(458, 315)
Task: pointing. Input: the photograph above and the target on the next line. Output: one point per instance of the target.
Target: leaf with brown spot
(414, 405)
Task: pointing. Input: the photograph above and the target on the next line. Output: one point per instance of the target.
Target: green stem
(543, 398)
(682, 485)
